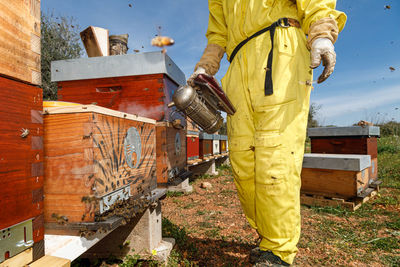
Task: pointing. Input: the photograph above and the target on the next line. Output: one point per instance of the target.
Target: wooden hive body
(21, 162)
(192, 141)
(146, 95)
(92, 153)
(20, 40)
(216, 145)
(335, 175)
(141, 84)
(206, 145)
(223, 143)
(348, 140)
(171, 152)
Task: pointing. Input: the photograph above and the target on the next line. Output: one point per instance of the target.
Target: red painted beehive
(193, 145)
(21, 169)
(141, 84)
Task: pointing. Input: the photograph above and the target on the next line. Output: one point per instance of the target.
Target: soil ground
(211, 230)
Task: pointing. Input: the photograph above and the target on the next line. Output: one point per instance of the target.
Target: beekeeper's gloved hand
(198, 71)
(323, 49)
(209, 62)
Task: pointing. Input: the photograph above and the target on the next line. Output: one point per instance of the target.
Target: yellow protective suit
(267, 133)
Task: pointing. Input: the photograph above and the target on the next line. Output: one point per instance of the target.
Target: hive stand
(142, 236)
(142, 233)
(181, 185)
(207, 166)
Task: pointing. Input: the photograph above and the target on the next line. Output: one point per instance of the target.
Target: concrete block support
(181, 186)
(205, 167)
(223, 161)
(142, 236)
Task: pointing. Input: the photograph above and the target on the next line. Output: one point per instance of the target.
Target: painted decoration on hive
(132, 147)
(124, 155)
(178, 144)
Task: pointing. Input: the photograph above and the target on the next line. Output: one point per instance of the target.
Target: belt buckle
(283, 22)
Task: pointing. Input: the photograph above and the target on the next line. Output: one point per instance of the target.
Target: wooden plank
(51, 261)
(20, 40)
(95, 109)
(326, 202)
(19, 260)
(95, 41)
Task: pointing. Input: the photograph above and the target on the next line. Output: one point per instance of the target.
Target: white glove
(322, 48)
(198, 71)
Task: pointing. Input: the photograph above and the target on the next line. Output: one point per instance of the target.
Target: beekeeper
(269, 82)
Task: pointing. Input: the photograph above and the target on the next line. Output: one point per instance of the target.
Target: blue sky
(362, 86)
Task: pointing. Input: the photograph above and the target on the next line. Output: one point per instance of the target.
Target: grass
(389, 161)
(331, 236)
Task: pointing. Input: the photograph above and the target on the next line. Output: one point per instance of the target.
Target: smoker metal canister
(118, 44)
(187, 100)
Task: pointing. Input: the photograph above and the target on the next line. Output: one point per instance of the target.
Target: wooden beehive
(20, 40)
(192, 145)
(347, 140)
(205, 145)
(21, 168)
(171, 153)
(141, 84)
(223, 143)
(216, 146)
(335, 175)
(94, 157)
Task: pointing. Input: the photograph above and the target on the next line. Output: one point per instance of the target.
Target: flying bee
(162, 41)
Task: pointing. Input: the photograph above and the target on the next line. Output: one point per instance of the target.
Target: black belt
(282, 22)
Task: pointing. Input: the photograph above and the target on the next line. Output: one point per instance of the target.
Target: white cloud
(339, 105)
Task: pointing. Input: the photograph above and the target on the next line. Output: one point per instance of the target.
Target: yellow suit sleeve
(217, 30)
(310, 11)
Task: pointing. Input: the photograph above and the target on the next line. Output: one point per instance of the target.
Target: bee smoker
(203, 102)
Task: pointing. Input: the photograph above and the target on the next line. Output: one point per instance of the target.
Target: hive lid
(192, 133)
(223, 137)
(94, 109)
(206, 136)
(344, 162)
(216, 137)
(344, 131)
(116, 66)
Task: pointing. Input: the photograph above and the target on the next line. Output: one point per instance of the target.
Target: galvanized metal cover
(206, 136)
(116, 66)
(223, 137)
(216, 137)
(344, 162)
(193, 133)
(344, 131)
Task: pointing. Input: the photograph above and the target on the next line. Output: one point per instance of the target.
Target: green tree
(223, 130)
(60, 39)
(312, 121)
